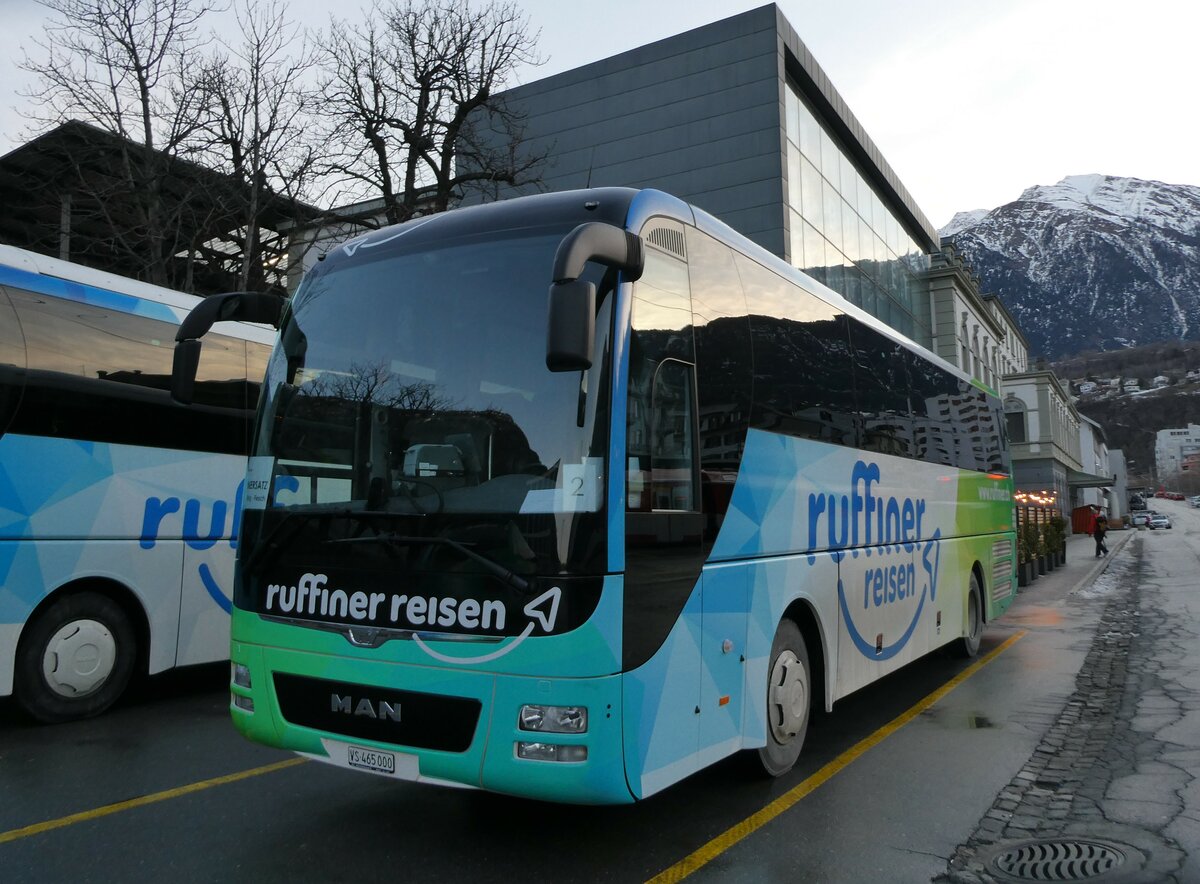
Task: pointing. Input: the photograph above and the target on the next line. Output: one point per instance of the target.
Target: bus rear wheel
(75, 659)
(968, 645)
(789, 699)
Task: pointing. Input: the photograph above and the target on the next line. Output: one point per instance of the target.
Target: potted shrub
(1025, 569)
(1056, 539)
(1033, 540)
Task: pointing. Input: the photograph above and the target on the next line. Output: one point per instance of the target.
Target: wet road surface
(896, 807)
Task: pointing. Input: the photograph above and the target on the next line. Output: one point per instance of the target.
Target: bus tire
(968, 646)
(789, 700)
(75, 658)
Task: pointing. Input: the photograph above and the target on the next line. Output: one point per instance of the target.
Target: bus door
(663, 523)
(724, 387)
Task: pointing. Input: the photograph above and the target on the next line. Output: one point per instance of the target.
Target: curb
(1101, 566)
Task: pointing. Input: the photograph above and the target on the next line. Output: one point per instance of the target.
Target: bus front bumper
(435, 725)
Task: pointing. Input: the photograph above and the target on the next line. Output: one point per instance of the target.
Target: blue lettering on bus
(860, 518)
(157, 509)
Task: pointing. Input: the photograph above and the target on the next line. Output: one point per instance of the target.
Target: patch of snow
(962, 220)
(1110, 581)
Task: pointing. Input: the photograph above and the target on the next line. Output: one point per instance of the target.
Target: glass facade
(843, 234)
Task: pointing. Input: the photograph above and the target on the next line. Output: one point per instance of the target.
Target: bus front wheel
(75, 659)
(789, 698)
(968, 645)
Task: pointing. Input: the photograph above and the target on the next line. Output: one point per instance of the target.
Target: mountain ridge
(1098, 262)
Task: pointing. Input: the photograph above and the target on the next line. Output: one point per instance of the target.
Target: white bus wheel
(75, 658)
(968, 645)
(789, 700)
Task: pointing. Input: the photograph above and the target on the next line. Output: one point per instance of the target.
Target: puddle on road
(972, 720)
(1035, 615)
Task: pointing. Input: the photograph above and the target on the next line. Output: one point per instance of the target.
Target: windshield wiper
(492, 567)
(268, 548)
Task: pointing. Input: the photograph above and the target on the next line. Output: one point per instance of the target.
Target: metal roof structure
(67, 194)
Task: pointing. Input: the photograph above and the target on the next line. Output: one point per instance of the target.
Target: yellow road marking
(755, 821)
(38, 828)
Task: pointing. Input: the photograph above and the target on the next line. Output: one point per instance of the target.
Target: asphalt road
(889, 786)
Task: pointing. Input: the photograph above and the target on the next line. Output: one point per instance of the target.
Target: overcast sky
(970, 102)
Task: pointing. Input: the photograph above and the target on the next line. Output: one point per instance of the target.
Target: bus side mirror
(570, 326)
(571, 315)
(229, 307)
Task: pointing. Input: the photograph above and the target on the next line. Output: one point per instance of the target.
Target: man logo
(382, 709)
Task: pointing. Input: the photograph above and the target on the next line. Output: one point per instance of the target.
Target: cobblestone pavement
(1112, 772)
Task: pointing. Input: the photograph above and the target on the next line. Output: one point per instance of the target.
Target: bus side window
(12, 361)
(803, 383)
(100, 374)
(882, 391)
(935, 411)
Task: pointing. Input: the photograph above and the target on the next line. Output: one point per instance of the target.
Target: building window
(1014, 418)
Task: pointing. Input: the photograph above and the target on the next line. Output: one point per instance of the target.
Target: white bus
(118, 507)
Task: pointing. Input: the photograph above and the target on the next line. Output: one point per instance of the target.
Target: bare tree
(114, 64)
(411, 98)
(256, 127)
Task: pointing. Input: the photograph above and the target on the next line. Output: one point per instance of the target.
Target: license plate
(371, 759)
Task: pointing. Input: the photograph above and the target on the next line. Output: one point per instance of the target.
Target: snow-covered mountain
(1094, 262)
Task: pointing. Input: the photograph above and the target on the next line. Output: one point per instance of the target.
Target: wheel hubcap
(788, 698)
(79, 658)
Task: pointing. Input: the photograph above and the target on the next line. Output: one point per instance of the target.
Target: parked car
(1140, 519)
(1160, 520)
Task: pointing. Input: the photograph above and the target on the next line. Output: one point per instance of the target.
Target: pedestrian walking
(1099, 530)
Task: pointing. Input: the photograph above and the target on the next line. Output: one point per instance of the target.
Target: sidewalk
(1112, 790)
(1082, 566)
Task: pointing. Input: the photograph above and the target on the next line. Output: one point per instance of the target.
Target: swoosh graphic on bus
(543, 609)
(211, 587)
(494, 655)
(866, 648)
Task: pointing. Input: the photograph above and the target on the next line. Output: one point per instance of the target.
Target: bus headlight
(551, 752)
(554, 719)
(241, 675)
(243, 703)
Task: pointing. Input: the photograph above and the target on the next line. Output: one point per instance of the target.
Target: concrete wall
(698, 115)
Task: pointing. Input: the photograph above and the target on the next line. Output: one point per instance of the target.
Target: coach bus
(578, 547)
(118, 506)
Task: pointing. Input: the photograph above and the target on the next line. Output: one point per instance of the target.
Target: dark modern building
(738, 118)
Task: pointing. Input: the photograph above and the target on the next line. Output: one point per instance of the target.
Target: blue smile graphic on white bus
(156, 510)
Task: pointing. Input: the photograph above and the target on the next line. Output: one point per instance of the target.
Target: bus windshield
(412, 385)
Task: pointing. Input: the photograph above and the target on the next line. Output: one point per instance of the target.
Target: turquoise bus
(118, 506)
(579, 546)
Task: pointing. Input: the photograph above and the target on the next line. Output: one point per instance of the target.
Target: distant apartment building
(1177, 454)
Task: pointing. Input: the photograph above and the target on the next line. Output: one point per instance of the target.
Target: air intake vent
(668, 240)
(1002, 569)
